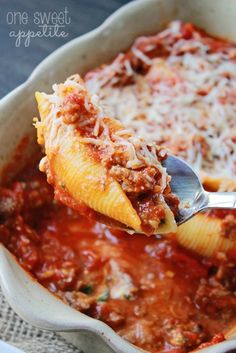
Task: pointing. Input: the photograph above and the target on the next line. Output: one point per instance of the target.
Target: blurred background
(26, 36)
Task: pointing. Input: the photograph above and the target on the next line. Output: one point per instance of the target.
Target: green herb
(63, 185)
(88, 289)
(104, 296)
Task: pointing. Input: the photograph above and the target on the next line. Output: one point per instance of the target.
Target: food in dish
(152, 292)
(170, 294)
(177, 88)
(209, 233)
(95, 164)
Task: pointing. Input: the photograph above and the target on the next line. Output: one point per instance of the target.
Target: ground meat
(216, 339)
(133, 181)
(10, 202)
(94, 269)
(33, 194)
(173, 202)
(79, 109)
(213, 297)
(23, 241)
(78, 300)
(228, 227)
(225, 272)
(74, 108)
(150, 212)
(183, 335)
(5, 234)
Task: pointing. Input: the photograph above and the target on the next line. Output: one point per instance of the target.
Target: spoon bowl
(186, 185)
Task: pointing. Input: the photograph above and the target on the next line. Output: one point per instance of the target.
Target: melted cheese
(186, 101)
(140, 153)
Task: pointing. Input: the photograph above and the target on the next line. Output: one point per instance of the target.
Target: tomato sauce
(154, 293)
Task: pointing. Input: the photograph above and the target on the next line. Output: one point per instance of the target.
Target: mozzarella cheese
(186, 101)
(140, 153)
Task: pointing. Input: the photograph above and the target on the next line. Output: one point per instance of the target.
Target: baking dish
(18, 108)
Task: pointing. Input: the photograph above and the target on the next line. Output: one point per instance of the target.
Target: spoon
(186, 185)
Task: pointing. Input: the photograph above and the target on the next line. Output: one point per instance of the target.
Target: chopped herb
(88, 289)
(104, 296)
(63, 185)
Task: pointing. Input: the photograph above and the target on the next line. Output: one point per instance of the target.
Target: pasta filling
(178, 300)
(152, 292)
(132, 162)
(177, 88)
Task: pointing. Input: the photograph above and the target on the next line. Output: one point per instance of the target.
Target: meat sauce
(144, 185)
(176, 88)
(151, 291)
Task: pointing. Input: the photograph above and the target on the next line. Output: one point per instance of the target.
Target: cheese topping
(185, 99)
(138, 152)
(71, 116)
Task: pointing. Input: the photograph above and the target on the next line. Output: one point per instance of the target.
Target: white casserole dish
(17, 109)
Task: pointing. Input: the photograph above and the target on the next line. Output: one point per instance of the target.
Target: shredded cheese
(140, 153)
(186, 101)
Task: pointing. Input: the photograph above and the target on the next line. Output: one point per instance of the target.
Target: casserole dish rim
(119, 344)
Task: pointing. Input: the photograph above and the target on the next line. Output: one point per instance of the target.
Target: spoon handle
(225, 200)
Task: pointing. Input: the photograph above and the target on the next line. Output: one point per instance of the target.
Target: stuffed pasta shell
(99, 167)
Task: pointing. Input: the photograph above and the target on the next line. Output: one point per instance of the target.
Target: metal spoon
(193, 198)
